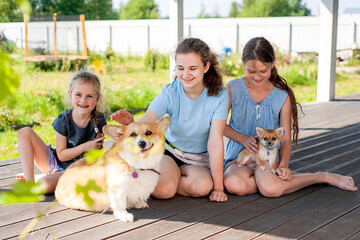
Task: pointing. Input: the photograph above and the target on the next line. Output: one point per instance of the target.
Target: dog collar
(136, 175)
(269, 148)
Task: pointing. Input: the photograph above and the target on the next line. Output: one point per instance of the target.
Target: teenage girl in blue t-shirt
(75, 129)
(263, 99)
(197, 105)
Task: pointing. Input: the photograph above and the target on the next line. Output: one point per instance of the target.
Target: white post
(327, 50)
(176, 28)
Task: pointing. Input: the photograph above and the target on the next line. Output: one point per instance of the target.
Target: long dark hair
(90, 78)
(212, 78)
(260, 49)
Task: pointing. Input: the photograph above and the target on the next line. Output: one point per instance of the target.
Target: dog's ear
(163, 124)
(259, 131)
(113, 131)
(279, 131)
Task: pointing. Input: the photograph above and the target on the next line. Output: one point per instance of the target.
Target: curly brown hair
(212, 78)
(260, 49)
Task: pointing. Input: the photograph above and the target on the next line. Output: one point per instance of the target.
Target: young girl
(75, 129)
(197, 105)
(263, 99)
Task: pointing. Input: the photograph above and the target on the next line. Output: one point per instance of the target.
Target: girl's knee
(25, 132)
(271, 190)
(201, 187)
(235, 185)
(50, 185)
(165, 191)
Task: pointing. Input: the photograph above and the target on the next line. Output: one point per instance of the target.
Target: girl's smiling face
(258, 72)
(190, 70)
(83, 97)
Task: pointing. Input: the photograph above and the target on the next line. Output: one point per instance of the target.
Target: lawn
(129, 82)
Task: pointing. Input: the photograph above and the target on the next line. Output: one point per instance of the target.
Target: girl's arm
(285, 145)
(149, 116)
(125, 118)
(249, 142)
(216, 154)
(66, 154)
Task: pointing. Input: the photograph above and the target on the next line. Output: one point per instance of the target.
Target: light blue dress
(246, 114)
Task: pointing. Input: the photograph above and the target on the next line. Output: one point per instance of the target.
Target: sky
(192, 8)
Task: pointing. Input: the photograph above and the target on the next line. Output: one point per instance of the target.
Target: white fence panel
(295, 34)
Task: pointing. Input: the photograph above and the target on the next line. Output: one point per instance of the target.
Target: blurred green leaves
(91, 186)
(9, 80)
(23, 192)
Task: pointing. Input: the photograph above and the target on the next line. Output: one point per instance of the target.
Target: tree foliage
(93, 9)
(139, 9)
(269, 8)
(9, 12)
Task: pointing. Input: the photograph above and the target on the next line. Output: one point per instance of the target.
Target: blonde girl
(75, 129)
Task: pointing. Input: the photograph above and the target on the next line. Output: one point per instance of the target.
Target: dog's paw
(141, 204)
(240, 165)
(124, 216)
(262, 168)
(273, 171)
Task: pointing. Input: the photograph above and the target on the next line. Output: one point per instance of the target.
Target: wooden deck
(330, 141)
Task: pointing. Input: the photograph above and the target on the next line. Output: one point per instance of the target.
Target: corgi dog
(268, 149)
(127, 175)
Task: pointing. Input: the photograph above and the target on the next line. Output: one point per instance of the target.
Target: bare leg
(50, 181)
(32, 150)
(240, 180)
(195, 181)
(271, 186)
(168, 180)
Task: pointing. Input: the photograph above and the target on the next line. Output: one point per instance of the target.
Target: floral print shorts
(53, 166)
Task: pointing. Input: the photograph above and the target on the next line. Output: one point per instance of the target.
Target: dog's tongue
(144, 153)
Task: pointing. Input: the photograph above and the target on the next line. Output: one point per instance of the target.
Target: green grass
(130, 83)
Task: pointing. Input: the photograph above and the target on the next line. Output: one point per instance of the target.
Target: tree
(9, 11)
(299, 9)
(100, 10)
(235, 10)
(43, 7)
(269, 8)
(93, 9)
(139, 9)
(68, 7)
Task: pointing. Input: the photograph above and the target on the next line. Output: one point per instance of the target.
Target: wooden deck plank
(243, 213)
(187, 218)
(313, 220)
(112, 226)
(355, 236)
(344, 227)
(329, 141)
(264, 223)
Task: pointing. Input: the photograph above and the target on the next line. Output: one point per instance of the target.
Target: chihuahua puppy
(267, 151)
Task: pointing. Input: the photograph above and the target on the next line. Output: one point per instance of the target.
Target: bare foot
(122, 116)
(343, 182)
(20, 177)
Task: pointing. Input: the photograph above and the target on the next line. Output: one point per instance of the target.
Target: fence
(135, 37)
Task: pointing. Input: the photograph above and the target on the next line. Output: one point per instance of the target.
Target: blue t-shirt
(246, 114)
(64, 124)
(190, 118)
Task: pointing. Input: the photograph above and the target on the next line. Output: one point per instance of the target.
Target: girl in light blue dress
(263, 99)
